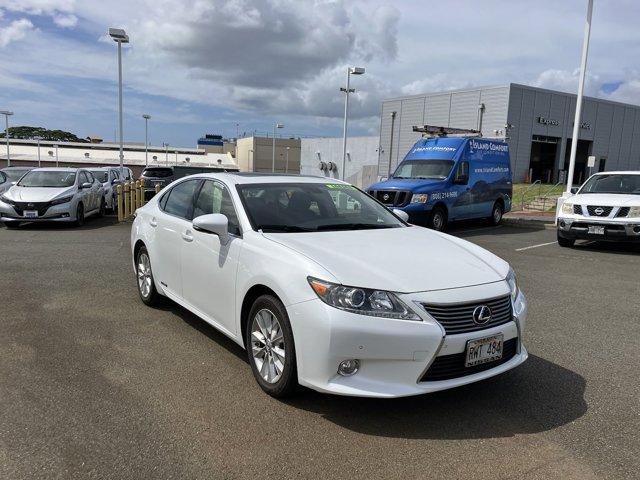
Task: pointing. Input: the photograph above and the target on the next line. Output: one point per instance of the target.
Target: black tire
(151, 297)
(103, 207)
(438, 219)
(79, 215)
(12, 225)
(287, 383)
(496, 214)
(565, 242)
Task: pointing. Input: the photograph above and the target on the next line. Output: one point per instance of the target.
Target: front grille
(601, 211)
(447, 367)
(394, 198)
(458, 318)
(623, 212)
(41, 207)
(577, 209)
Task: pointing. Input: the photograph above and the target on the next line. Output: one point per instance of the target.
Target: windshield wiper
(284, 228)
(352, 226)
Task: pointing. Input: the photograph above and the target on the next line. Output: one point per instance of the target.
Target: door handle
(153, 222)
(187, 237)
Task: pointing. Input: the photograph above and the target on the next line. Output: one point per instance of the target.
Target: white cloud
(566, 81)
(38, 7)
(65, 21)
(15, 31)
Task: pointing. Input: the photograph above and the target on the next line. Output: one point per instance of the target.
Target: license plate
(484, 350)
(30, 214)
(596, 230)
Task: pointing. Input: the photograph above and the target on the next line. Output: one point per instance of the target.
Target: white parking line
(534, 246)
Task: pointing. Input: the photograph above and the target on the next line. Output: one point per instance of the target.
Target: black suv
(153, 176)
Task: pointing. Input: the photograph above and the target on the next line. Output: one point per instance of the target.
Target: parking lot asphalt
(93, 384)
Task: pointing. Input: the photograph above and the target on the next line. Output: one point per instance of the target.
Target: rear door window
(180, 199)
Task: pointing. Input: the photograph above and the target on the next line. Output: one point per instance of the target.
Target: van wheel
(496, 214)
(438, 219)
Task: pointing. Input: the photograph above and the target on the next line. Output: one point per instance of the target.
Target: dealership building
(537, 123)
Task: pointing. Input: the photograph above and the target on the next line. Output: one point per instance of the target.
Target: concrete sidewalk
(530, 219)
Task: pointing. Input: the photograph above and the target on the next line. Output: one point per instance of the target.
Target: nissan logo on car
(385, 197)
(481, 315)
(599, 211)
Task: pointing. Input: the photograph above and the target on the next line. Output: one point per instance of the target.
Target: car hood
(605, 199)
(37, 194)
(413, 184)
(411, 259)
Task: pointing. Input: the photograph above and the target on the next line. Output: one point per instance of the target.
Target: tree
(29, 133)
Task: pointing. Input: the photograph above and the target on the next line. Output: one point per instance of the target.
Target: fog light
(636, 229)
(349, 367)
(562, 224)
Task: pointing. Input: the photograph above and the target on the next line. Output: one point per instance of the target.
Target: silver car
(54, 195)
(109, 178)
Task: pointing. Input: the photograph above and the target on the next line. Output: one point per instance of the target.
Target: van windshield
(436, 169)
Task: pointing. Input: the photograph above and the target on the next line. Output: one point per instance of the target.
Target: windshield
(615, 183)
(438, 169)
(42, 178)
(101, 175)
(157, 172)
(313, 207)
(14, 174)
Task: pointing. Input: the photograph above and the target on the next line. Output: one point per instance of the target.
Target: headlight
(567, 208)
(60, 201)
(419, 198)
(6, 200)
(513, 284)
(634, 212)
(375, 303)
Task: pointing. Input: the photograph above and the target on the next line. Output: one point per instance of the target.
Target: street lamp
(286, 165)
(120, 37)
(38, 140)
(347, 91)
(146, 138)
(6, 114)
(166, 153)
(273, 154)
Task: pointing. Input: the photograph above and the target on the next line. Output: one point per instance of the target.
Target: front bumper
(577, 228)
(55, 213)
(394, 354)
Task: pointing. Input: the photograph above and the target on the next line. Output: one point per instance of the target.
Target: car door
(462, 206)
(171, 220)
(94, 191)
(209, 267)
(84, 194)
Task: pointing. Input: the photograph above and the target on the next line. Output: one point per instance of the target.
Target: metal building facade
(537, 123)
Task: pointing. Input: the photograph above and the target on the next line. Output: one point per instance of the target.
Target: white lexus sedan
(326, 288)
(52, 195)
(606, 207)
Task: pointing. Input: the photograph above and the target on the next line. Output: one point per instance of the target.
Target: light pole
(146, 138)
(56, 147)
(347, 91)
(576, 121)
(7, 114)
(120, 37)
(286, 164)
(38, 140)
(176, 157)
(273, 154)
(166, 153)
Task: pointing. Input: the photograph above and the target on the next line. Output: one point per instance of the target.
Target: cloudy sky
(206, 65)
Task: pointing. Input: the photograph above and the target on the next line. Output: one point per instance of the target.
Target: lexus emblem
(599, 211)
(481, 315)
(385, 197)
(29, 204)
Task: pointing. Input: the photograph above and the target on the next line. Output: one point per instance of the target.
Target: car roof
(620, 172)
(19, 168)
(246, 178)
(57, 169)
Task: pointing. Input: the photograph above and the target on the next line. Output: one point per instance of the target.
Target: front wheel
(496, 214)
(438, 219)
(565, 242)
(80, 215)
(270, 347)
(103, 207)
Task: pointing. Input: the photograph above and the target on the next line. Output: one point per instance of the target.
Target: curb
(528, 223)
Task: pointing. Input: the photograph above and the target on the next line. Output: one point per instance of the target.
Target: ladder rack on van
(435, 131)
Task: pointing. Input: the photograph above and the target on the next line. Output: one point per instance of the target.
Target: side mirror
(86, 185)
(401, 213)
(215, 223)
(461, 180)
(574, 190)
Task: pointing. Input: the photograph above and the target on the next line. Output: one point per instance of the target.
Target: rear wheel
(80, 215)
(496, 213)
(565, 242)
(144, 276)
(270, 347)
(438, 219)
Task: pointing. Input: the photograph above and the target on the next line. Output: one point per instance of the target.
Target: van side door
(463, 204)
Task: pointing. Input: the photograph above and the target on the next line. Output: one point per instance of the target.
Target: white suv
(607, 207)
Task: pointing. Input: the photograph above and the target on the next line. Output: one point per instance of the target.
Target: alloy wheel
(267, 346)
(144, 274)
